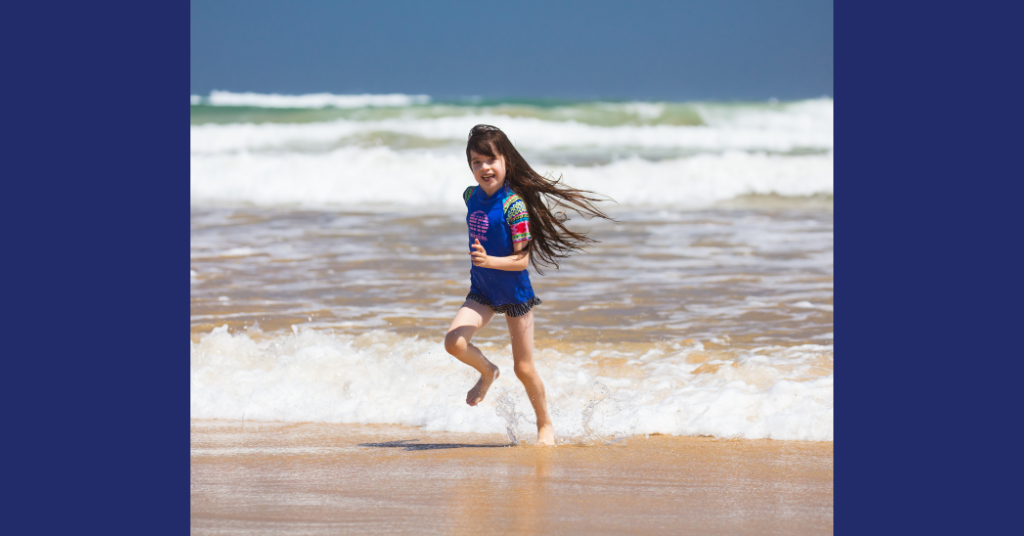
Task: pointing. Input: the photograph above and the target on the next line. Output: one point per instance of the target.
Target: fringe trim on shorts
(509, 309)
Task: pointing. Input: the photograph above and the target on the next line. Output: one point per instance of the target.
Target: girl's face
(489, 171)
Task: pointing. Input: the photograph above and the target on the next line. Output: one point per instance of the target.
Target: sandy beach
(315, 478)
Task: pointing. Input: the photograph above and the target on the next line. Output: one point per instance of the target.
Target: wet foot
(546, 435)
(479, 391)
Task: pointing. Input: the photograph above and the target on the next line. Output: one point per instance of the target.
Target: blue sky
(712, 50)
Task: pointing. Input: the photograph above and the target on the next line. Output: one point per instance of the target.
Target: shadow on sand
(429, 446)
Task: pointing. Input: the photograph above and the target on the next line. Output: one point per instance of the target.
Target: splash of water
(506, 409)
(600, 394)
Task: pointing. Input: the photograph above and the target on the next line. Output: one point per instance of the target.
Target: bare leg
(521, 330)
(471, 318)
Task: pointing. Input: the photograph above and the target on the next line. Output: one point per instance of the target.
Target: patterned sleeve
(469, 192)
(517, 218)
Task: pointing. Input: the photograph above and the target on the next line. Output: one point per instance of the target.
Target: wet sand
(314, 478)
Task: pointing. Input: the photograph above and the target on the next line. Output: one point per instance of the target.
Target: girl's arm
(512, 263)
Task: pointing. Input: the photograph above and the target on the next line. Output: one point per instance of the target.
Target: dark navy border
(927, 270)
(927, 279)
(96, 200)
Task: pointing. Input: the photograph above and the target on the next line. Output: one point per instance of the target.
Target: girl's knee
(455, 344)
(524, 370)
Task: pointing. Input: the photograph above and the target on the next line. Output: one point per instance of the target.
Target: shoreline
(311, 478)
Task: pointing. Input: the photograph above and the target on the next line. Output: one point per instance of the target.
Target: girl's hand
(480, 257)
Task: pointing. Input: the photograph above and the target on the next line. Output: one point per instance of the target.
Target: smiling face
(489, 171)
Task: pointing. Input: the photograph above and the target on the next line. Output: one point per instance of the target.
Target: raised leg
(471, 318)
(521, 330)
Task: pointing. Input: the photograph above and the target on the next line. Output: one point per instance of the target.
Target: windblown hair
(550, 239)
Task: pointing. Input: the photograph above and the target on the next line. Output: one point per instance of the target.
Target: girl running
(511, 226)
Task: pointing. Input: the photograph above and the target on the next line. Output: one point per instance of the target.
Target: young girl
(510, 226)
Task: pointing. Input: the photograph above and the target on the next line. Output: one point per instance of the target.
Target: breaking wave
(679, 388)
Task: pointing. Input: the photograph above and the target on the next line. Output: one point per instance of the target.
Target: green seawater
(589, 113)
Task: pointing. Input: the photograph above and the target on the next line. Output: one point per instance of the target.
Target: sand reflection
(510, 499)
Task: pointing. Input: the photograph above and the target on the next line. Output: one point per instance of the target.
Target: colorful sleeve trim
(517, 218)
(468, 193)
(521, 232)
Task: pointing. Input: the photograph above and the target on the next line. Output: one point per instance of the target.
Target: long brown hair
(550, 239)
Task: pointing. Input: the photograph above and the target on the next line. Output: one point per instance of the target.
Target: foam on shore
(681, 388)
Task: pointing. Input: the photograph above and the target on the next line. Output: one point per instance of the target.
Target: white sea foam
(312, 100)
(379, 175)
(756, 149)
(773, 392)
(526, 132)
(815, 115)
(645, 110)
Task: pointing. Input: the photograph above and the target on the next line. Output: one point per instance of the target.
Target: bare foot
(479, 391)
(546, 435)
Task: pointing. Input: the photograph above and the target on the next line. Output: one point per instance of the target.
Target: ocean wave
(813, 114)
(768, 133)
(312, 100)
(410, 159)
(355, 176)
(379, 377)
